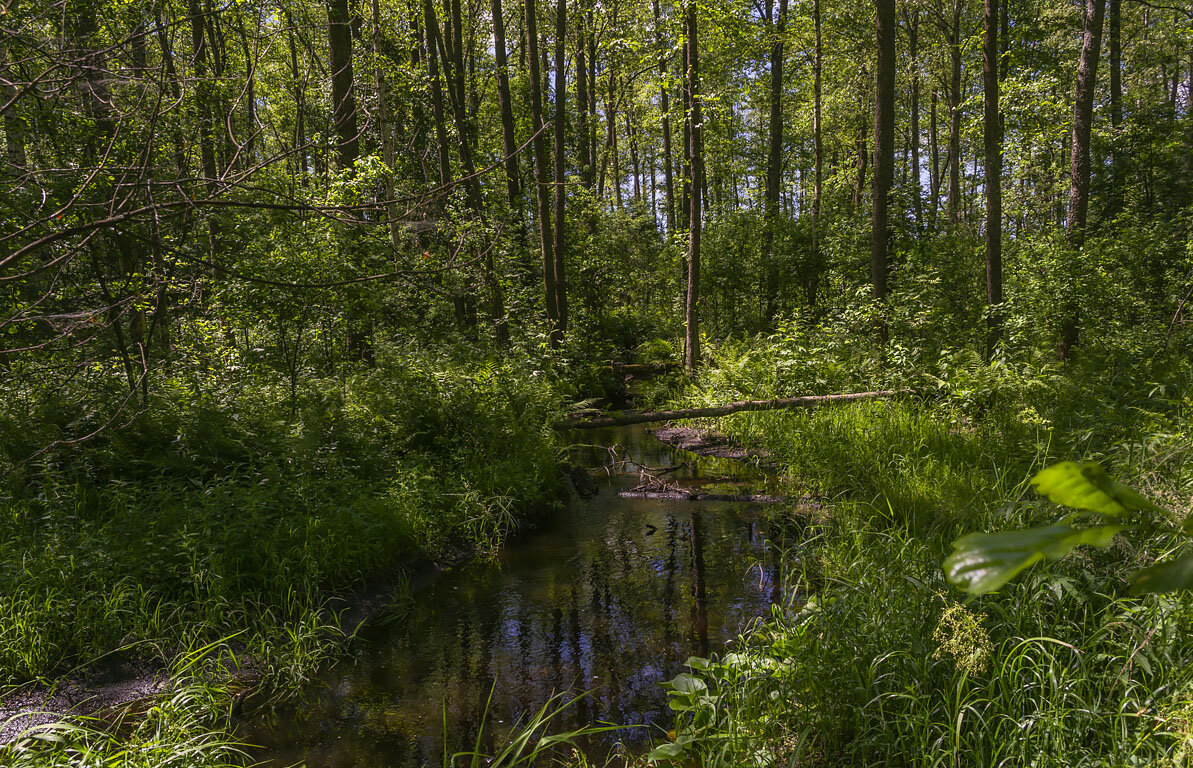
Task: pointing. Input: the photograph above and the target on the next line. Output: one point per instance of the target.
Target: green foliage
(871, 661)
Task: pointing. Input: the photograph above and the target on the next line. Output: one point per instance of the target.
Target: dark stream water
(611, 596)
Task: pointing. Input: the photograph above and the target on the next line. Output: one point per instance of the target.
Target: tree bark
(542, 177)
(584, 149)
(1083, 106)
(560, 118)
(696, 164)
(955, 116)
(343, 98)
(817, 156)
(508, 138)
(431, 28)
(665, 109)
(912, 19)
(884, 158)
(774, 162)
(992, 140)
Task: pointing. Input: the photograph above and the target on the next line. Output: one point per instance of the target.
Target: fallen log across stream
(644, 417)
(682, 495)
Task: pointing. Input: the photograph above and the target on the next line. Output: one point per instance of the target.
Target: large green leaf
(983, 562)
(1171, 576)
(1086, 485)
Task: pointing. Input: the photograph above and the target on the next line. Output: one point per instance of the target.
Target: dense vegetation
(294, 293)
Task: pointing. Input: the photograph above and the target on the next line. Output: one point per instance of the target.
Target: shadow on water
(612, 596)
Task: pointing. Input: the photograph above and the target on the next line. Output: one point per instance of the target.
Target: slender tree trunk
(913, 41)
(385, 128)
(884, 158)
(561, 310)
(934, 166)
(1113, 16)
(542, 177)
(584, 149)
(696, 163)
(955, 116)
(817, 157)
(1083, 106)
(774, 162)
(992, 133)
(431, 27)
(665, 109)
(863, 155)
(343, 98)
(509, 142)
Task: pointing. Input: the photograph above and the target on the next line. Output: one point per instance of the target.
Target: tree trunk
(1114, 16)
(584, 149)
(542, 178)
(913, 42)
(560, 118)
(431, 27)
(934, 158)
(696, 164)
(774, 162)
(817, 157)
(343, 98)
(884, 158)
(992, 140)
(1083, 106)
(509, 142)
(665, 109)
(955, 116)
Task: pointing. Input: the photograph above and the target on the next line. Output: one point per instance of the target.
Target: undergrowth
(875, 659)
(231, 502)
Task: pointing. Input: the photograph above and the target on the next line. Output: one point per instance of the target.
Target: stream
(611, 596)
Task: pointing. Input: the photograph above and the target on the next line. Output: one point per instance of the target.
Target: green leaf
(1086, 485)
(1171, 576)
(702, 664)
(668, 751)
(983, 562)
(685, 683)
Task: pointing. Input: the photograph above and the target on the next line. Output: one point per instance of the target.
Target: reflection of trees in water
(699, 588)
(609, 607)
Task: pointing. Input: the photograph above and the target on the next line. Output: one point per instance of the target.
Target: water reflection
(612, 598)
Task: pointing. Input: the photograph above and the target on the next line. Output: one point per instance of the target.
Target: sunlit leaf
(1086, 485)
(1171, 576)
(983, 562)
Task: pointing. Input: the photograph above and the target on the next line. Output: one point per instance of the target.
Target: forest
(596, 383)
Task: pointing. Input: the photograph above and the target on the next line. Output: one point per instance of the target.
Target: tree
(695, 185)
(343, 96)
(992, 141)
(884, 157)
(543, 180)
(1083, 108)
(774, 157)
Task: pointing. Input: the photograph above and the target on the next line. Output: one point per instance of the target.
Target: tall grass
(876, 660)
(217, 510)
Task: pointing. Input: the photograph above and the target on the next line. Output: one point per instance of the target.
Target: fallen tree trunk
(644, 417)
(748, 498)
